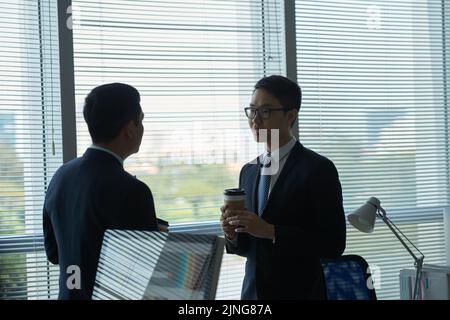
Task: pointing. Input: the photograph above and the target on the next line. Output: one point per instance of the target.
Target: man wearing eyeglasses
(294, 214)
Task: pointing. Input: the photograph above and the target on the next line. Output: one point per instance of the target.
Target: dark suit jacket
(305, 205)
(85, 197)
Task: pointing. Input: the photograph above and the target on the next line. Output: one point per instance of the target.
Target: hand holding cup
(234, 199)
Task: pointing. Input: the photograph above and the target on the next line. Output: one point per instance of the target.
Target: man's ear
(292, 115)
(128, 129)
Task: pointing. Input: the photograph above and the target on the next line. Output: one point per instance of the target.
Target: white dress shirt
(279, 158)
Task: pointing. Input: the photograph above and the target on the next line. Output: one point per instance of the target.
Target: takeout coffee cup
(234, 199)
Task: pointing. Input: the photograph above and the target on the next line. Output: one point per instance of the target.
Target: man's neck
(113, 148)
(282, 143)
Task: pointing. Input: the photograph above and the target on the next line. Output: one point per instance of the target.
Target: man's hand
(250, 222)
(227, 229)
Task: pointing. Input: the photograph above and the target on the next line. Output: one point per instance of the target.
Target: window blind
(195, 64)
(30, 143)
(373, 75)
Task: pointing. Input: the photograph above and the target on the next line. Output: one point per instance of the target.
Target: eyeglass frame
(258, 111)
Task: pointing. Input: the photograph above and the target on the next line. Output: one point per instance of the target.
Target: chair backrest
(348, 277)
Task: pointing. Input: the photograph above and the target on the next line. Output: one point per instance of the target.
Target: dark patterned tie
(264, 184)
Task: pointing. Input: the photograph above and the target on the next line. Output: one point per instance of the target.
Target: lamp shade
(363, 218)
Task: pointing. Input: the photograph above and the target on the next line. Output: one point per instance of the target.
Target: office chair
(348, 278)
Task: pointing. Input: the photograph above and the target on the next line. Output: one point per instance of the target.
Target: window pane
(30, 127)
(372, 74)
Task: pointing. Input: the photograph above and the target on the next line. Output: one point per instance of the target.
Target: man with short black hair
(294, 214)
(93, 193)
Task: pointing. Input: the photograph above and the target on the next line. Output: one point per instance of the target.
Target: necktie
(264, 184)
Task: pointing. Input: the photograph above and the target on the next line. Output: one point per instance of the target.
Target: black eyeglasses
(264, 113)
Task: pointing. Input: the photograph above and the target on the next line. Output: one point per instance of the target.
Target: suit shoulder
(65, 169)
(248, 166)
(136, 184)
(317, 160)
(69, 165)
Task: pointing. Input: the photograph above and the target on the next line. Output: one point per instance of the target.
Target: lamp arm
(418, 278)
(396, 231)
(418, 262)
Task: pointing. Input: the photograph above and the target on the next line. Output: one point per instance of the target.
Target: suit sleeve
(147, 212)
(140, 211)
(51, 247)
(326, 238)
(240, 243)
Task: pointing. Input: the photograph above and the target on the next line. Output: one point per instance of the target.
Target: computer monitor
(158, 266)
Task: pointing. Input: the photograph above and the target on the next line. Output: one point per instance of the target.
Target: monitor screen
(158, 266)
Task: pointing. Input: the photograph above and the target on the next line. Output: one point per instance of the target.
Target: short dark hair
(108, 108)
(286, 91)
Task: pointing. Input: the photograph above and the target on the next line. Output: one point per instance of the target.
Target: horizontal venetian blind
(373, 78)
(30, 143)
(195, 64)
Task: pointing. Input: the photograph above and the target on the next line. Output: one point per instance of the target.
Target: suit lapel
(290, 163)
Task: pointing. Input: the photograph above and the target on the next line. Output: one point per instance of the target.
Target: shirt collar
(280, 153)
(93, 146)
(283, 151)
